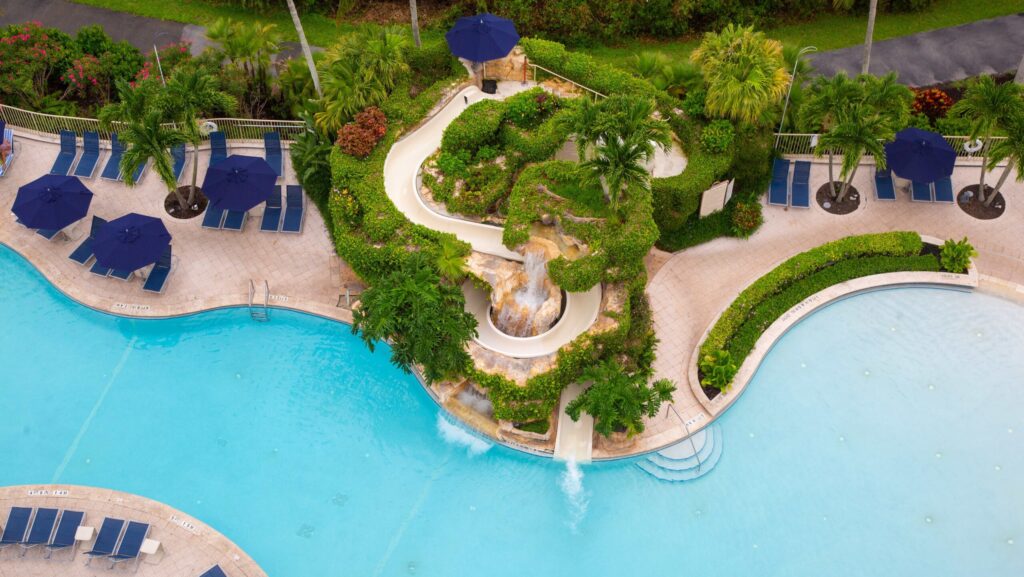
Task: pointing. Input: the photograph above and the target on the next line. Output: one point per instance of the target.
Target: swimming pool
(880, 437)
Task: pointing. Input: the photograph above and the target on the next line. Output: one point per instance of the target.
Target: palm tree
(869, 36)
(147, 139)
(829, 96)
(989, 106)
(451, 259)
(639, 124)
(887, 96)
(191, 92)
(582, 125)
(858, 131)
(305, 46)
(414, 16)
(618, 400)
(1011, 149)
(619, 165)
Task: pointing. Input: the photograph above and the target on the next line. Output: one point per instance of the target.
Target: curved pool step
(681, 462)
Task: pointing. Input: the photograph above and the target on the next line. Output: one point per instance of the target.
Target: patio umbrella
(131, 242)
(239, 182)
(920, 155)
(482, 37)
(52, 202)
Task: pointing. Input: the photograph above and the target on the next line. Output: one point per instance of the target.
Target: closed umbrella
(920, 155)
(52, 202)
(131, 242)
(482, 37)
(239, 182)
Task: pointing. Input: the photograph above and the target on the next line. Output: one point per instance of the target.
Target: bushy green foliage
(477, 126)
(582, 68)
(746, 219)
(956, 255)
(693, 103)
(718, 370)
(717, 136)
(618, 400)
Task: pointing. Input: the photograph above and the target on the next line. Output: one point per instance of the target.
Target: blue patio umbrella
(920, 155)
(482, 37)
(131, 242)
(239, 182)
(52, 202)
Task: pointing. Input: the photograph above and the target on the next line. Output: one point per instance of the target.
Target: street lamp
(156, 52)
(796, 63)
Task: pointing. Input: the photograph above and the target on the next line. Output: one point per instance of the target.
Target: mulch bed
(826, 201)
(978, 209)
(197, 208)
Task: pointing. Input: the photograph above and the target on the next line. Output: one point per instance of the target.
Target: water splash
(517, 318)
(571, 484)
(453, 434)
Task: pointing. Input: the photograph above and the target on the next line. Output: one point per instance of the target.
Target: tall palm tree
(619, 165)
(869, 36)
(887, 96)
(858, 130)
(582, 125)
(147, 139)
(306, 51)
(829, 96)
(989, 106)
(191, 92)
(640, 125)
(414, 16)
(1011, 150)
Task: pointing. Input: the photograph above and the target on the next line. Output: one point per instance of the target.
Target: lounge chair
(66, 156)
(214, 218)
(884, 187)
(100, 270)
(107, 540)
(235, 220)
(921, 192)
(778, 192)
(272, 144)
(130, 544)
(48, 233)
(16, 527)
(91, 157)
(64, 537)
(122, 274)
(296, 210)
(944, 190)
(42, 529)
(272, 214)
(84, 253)
(218, 147)
(800, 196)
(178, 154)
(6, 135)
(158, 276)
(214, 571)
(112, 170)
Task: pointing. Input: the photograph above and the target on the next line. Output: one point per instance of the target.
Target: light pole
(796, 64)
(156, 52)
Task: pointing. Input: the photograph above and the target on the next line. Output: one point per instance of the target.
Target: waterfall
(571, 484)
(517, 318)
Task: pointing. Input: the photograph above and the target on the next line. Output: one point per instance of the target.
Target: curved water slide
(400, 174)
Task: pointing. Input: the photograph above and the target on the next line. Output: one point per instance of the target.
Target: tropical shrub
(477, 126)
(86, 79)
(931, 102)
(718, 370)
(618, 400)
(693, 103)
(746, 219)
(453, 165)
(359, 137)
(956, 255)
(717, 136)
(309, 153)
(526, 109)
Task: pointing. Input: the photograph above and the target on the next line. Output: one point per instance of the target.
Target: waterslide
(400, 175)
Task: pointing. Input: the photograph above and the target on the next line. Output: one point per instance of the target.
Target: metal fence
(544, 72)
(233, 128)
(789, 143)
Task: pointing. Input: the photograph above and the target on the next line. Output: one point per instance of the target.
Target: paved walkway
(984, 47)
(188, 547)
(686, 303)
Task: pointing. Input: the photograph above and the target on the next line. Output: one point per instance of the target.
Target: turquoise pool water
(881, 437)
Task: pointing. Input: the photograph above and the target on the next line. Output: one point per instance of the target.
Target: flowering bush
(86, 78)
(932, 102)
(359, 137)
(28, 54)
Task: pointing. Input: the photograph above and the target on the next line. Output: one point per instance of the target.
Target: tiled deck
(211, 268)
(188, 547)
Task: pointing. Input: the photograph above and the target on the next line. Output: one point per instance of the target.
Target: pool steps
(681, 462)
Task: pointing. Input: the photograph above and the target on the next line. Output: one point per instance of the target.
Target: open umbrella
(239, 182)
(482, 37)
(130, 242)
(920, 155)
(52, 202)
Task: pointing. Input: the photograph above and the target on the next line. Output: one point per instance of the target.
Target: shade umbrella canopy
(239, 182)
(131, 242)
(52, 202)
(920, 155)
(482, 37)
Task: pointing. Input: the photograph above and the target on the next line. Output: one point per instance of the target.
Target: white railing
(536, 67)
(801, 144)
(233, 128)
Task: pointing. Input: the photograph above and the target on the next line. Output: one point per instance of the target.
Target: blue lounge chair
(140, 171)
(235, 220)
(112, 170)
(214, 218)
(272, 143)
(178, 154)
(944, 190)
(921, 192)
(272, 214)
(100, 270)
(884, 187)
(84, 252)
(16, 527)
(107, 540)
(800, 196)
(6, 135)
(47, 233)
(66, 156)
(91, 157)
(122, 274)
(778, 192)
(218, 147)
(64, 537)
(130, 544)
(158, 276)
(214, 571)
(42, 529)
(296, 210)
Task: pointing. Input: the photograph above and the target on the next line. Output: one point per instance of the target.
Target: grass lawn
(583, 200)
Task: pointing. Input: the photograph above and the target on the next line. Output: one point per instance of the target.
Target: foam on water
(571, 483)
(454, 434)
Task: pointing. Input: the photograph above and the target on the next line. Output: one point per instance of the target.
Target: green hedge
(585, 70)
(477, 126)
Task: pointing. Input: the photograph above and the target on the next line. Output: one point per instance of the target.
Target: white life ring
(972, 146)
(207, 127)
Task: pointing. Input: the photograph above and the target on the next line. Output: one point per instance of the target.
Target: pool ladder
(257, 311)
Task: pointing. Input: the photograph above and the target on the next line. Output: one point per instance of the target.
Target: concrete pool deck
(188, 547)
